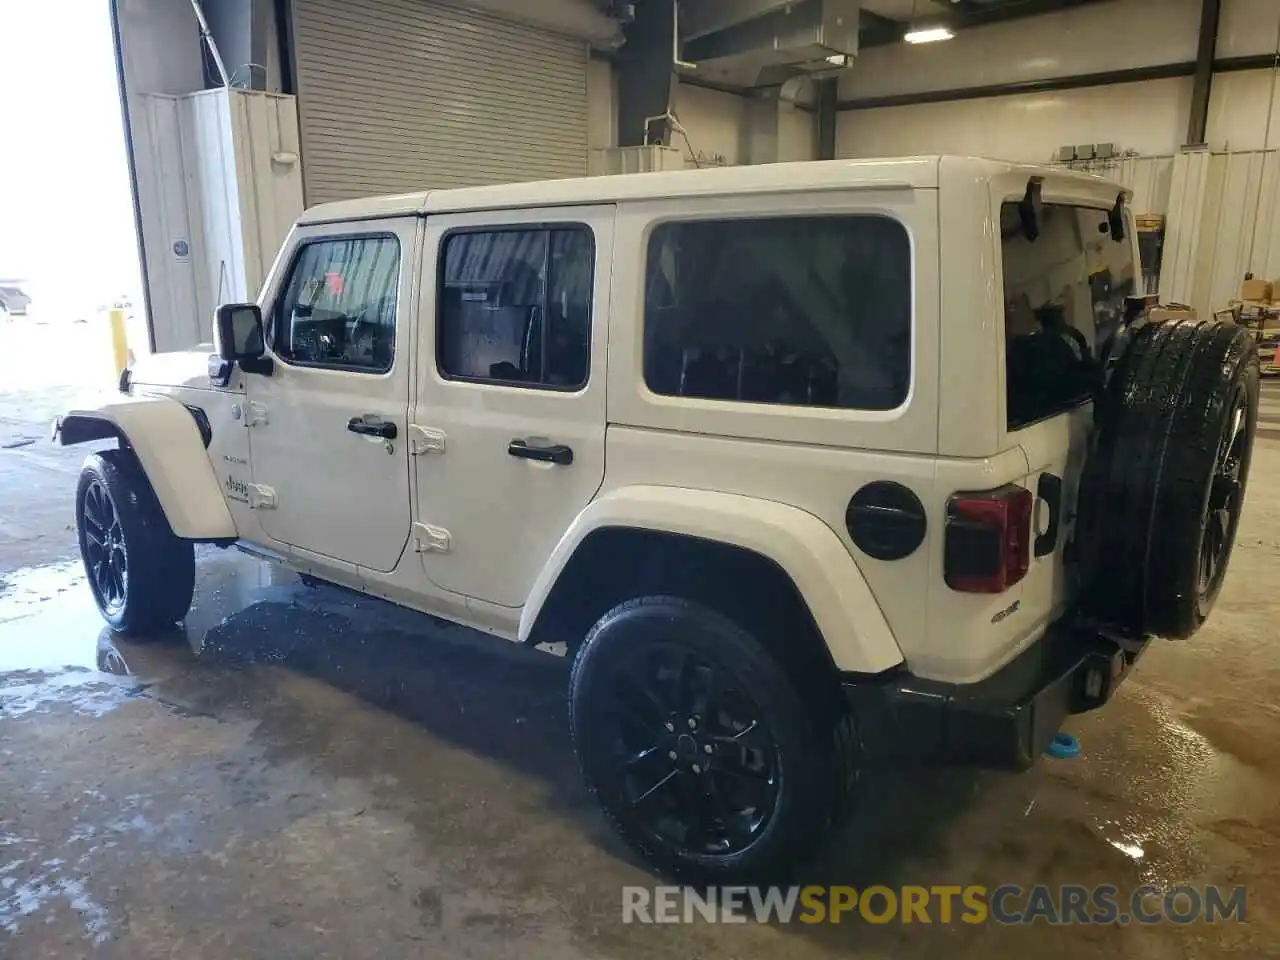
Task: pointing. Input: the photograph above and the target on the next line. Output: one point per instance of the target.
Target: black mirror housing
(1115, 219)
(238, 332)
(1031, 209)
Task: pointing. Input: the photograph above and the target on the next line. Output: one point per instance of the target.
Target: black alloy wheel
(709, 756)
(141, 574)
(1226, 497)
(106, 557)
(698, 764)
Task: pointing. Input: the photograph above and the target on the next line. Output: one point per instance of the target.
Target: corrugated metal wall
(1241, 224)
(398, 95)
(1182, 228)
(1223, 222)
(1150, 179)
(216, 200)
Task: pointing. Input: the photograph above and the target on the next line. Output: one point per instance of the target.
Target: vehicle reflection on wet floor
(303, 766)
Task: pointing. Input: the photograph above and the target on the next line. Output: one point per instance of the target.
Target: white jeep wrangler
(814, 467)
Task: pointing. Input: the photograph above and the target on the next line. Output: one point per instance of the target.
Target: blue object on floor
(1063, 746)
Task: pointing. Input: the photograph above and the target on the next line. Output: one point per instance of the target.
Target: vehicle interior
(1064, 299)
(807, 311)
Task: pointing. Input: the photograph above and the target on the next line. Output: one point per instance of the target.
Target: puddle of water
(84, 691)
(47, 619)
(1131, 850)
(20, 899)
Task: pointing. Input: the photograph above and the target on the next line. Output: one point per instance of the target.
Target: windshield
(1064, 296)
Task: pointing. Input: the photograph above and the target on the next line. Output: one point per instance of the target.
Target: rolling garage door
(400, 95)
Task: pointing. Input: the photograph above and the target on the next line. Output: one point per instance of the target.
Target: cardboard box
(1255, 290)
(1172, 311)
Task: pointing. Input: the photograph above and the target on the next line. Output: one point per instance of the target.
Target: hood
(181, 368)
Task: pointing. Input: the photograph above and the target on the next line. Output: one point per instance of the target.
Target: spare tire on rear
(1160, 497)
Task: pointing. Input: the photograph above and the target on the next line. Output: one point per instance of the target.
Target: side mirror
(238, 332)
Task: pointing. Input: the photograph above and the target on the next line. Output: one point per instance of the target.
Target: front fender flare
(826, 576)
(164, 437)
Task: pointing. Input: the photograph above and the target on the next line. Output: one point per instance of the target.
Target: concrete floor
(303, 773)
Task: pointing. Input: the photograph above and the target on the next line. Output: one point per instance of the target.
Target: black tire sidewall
(1145, 494)
(161, 567)
(808, 788)
(1174, 596)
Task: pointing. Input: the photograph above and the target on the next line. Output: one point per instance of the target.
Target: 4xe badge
(1008, 611)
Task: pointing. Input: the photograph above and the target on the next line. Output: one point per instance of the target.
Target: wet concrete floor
(301, 773)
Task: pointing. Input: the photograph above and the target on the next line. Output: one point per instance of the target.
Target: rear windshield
(1063, 299)
(802, 311)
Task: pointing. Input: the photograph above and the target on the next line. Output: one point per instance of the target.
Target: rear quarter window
(1064, 298)
(800, 311)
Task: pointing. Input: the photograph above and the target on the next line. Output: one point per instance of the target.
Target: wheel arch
(164, 436)
(761, 557)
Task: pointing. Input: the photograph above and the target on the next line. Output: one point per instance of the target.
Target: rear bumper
(1006, 720)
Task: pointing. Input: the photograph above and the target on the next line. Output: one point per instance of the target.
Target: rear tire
(1161, 497)
(142, 576)
(704, 756)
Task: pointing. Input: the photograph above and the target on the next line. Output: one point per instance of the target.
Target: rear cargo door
(1064, 298)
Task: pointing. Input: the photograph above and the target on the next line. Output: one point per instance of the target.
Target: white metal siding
(1182, 229)
(214, 174)
(1240, 226)
(398, 95)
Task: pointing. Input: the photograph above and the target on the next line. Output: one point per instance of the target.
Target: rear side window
(801, 311)
(339, 306)
(515, 306)
(1064, 296)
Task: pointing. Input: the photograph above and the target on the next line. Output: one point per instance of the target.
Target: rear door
(1064, 298)
(509, 420)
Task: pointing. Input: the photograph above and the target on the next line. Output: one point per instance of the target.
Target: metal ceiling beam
(969, 14)
(1162, 71)
(964, 15)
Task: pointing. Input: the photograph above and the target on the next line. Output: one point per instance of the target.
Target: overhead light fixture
(927, 34)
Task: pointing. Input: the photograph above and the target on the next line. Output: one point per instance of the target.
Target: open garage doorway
(68, 249)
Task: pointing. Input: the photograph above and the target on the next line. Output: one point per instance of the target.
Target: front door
(510, 413)
(327, 429)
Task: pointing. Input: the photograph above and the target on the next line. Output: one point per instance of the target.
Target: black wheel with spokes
(697, 745)
(1226, 498)
(696, 758)
(142, 576)
(105, 559)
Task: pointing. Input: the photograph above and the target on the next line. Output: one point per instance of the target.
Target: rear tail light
(988, 540)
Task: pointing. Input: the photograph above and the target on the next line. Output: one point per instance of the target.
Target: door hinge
(255, 414)
(429, 539)
(261, 498)
(425, 440)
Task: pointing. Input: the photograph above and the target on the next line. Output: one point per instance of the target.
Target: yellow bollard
(119, 341)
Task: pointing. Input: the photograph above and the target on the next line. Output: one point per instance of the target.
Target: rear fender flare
(164, 437)
(806, 549)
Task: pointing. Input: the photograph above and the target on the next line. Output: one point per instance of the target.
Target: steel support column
(646, 75)
(1198, 120)
(824, 127)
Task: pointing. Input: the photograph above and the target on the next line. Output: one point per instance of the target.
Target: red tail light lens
(988, 540)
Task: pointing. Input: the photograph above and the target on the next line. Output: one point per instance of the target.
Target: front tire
(142, 576)
(704, 756)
